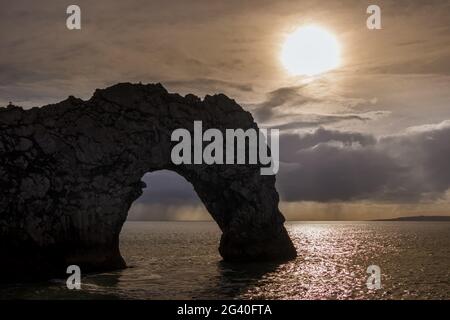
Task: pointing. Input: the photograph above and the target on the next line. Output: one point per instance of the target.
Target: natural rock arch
(70, 171)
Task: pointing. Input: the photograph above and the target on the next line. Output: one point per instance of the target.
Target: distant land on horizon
(411, 218)
(417, 218)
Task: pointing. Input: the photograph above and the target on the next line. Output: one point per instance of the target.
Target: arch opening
(241, 201)
(167, 196)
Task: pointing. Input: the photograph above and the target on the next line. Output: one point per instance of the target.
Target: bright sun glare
(310, 50)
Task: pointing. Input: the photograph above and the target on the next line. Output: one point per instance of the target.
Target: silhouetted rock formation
(70, 171)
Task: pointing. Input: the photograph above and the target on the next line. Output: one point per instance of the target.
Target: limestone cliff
(70, 171)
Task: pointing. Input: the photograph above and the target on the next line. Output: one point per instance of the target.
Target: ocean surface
(179, 260)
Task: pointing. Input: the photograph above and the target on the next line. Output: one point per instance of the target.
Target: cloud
(167, 196)
(290, 142)
(167, 187)
(205, 47)
(315, 120)
(328, 166)
(209, 85)
(431, 64)
(286, 95)
(289, 108)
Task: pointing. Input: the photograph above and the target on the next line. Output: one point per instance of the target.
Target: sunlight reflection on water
(171, 260)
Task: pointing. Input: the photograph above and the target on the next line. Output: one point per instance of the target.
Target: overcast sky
(370, 139)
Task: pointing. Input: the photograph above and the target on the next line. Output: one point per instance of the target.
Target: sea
(180, 260)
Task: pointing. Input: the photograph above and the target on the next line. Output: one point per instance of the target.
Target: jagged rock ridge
(70, 171)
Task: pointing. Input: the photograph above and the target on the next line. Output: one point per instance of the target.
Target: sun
(310, 50)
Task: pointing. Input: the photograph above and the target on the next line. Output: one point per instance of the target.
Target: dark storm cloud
(168, 196)
(166, 187)
(337, 166)
(330, 165)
